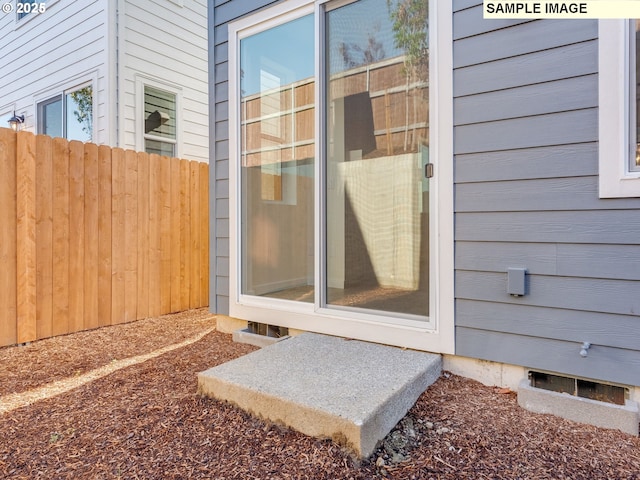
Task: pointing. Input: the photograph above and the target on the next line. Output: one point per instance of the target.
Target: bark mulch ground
(146, 421)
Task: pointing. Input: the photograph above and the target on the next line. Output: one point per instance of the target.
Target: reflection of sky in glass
(53, 118)
(74, 127)
(352, 25)
(285, 52)
(4, 120)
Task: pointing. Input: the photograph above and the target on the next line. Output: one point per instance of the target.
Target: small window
(159, 121)
(68, 115)
(618, 107)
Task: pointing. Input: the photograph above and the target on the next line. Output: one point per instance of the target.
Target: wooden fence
(92, 235)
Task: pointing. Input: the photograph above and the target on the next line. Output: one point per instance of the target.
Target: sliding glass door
(377, 202)
(333, 151)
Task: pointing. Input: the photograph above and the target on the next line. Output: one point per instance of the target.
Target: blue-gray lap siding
(526, 195)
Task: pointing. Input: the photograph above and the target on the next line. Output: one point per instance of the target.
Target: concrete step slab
(328, 387)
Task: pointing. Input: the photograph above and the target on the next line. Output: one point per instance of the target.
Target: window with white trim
(619, 112)
(160, 122)
(68, 114)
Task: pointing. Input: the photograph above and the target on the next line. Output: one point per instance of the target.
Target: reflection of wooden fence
(398, 109)
(381, 110)
(93, 236)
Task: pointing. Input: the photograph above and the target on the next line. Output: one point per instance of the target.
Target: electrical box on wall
(516, 281)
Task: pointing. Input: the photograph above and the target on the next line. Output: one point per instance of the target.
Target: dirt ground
(121, 402)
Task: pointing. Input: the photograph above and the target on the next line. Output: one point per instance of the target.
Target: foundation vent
(580, 388)
(272, 331)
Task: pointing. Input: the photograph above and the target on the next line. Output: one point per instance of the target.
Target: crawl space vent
(579, 387)
(268, 330)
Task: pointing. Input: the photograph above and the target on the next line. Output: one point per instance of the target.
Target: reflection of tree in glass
(83, 99)
(410, 33)
(354, 55)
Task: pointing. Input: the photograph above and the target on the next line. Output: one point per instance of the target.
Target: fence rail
(92, 235)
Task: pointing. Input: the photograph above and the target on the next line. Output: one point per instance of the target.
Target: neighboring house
(520, 253)
(131, 74)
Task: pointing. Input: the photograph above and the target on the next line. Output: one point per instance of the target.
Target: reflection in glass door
(377, 199)
(277, 129)
(373, 222)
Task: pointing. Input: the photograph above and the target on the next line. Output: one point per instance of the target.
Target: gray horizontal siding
(551, 129)
(604, 363)
(576, 293)
(521, 39)
(537, 99)
(528, 163)
(561, 62)
(229, 11)
(602, 226)
(466, 24)
(526, 195)
(566, 259)
(563, 193)
(560, 324)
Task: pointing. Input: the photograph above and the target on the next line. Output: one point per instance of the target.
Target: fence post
(26, 236)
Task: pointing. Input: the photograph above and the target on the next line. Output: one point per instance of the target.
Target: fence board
(165, 234)
(130, 236)
(44, 236)
(194, 261)
(60, 236)
(204, 234)
(185, 235)
(143, 235)
(176, 212)
(26, 232)
(118, 244)
(154, 235)
(8, 247)
(91, 190)
(76, 236)
(104, 235)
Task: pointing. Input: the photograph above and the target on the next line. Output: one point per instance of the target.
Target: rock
(408, 427)
(395, 441)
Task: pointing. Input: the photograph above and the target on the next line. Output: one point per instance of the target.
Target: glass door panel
(277, 131)
(377, 196)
